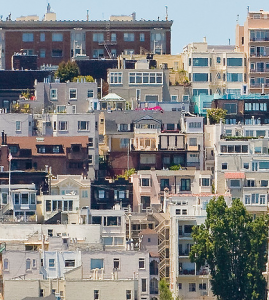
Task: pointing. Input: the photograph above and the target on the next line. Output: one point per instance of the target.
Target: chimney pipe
(5, 139)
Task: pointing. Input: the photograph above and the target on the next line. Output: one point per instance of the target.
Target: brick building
(55, 41)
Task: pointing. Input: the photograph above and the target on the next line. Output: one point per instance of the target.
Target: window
(144, 285)
(164, 183)
(97, 263)
(6, 264)
(123, 127)
(90, 94)
(145, 181)
(113, 37)
(42, 53)
(145, 202)
(32, 198)
(72, 94)
(224, 166)
(53, 94)
(185, 185)
(247, 199)
(174, 98)
(264, 183)
(234, 77)
(28, 264)
(195, 125)
(83, 125)
(128, 294)
(57, 53)
(230, 107)
(128, 37)
(255, 198)
(115, 78)
(202, 286)
(141, 263)
(96, 294)
(41, 293)
(98, 53)
(24, 198)
(202, 77)
(51, 263)
(69, 263)
(98, 37)
(262, 199)
(263, 165)
(142, 37)
(200, 62)
(18, 125)
(63, 125)
(193, 141)
(197, 92)
(90, 144)
(145, 78)
(192, 287)
(27, 37)
(57, 37)
(235, 183)
(205, 181)
(234, 62)
(42, 37)
(116, 263)
(124, 143)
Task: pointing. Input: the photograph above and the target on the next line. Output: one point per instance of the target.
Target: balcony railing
(187, 272)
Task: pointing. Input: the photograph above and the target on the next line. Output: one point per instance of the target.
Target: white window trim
(74, 89)
(55, 97)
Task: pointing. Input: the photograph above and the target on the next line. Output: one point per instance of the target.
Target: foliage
(80, 78)
(216, 114)
(234, 247)
(242, 138)
(127, 174)
(20, 108)
(26, 94)
(182, 77)
(67, 71)
(165, 293)
(175, 167)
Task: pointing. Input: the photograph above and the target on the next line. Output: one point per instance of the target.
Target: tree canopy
(67, 71)
(234, 246)
(215, 115)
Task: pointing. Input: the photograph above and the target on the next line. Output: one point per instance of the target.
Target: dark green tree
(165, 293)
(234, 246)
(67, 71)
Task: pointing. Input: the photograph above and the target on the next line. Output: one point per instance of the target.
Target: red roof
(234, 175)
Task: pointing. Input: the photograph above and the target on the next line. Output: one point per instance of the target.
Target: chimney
(204, 39)
(5, 141)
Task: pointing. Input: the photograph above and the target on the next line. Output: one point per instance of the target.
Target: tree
(215, 115)
(234, 247)
(87, 78)
(67, 71)
(165, 293)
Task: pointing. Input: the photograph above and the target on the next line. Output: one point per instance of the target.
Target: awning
(235, 175)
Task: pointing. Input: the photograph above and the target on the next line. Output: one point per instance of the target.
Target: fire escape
(107, 41)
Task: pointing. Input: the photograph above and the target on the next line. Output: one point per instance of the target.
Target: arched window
(154, 267)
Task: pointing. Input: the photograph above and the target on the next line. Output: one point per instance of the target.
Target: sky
(193, 19)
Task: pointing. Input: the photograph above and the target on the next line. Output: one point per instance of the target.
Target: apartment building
(58, 97)
(253, 39)
(148, 139)
(245, 109)
(150, 186)
(215, 69)
(14, 124)
(145, 87)
(241, 164)
(55, 41)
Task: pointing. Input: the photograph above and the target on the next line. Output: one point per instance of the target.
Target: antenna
(237, 18)
(87, 15)
(166, 13)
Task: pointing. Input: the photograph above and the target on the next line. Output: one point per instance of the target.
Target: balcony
(187, 272)
(259, 71)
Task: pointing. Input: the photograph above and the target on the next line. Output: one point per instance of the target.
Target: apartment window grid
(142, 37)
(18, 125)
(72, 94)
(63, 125)
(90, 94)
(42, 53)
(53, 94)
(115, 78)
(42, 37)
(98, 37)
(28, 37)
(57, 37)
(128, 37)
(145, 78)
(83, 125)
(185, 185)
